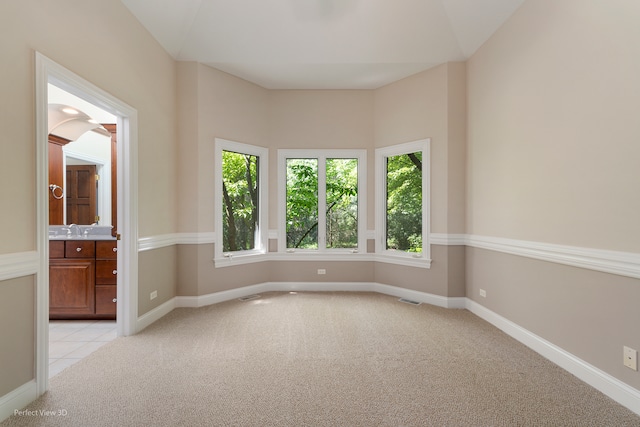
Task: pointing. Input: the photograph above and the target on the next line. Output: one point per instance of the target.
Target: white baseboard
(18, 399)
(598, 379)
(155, 314)
(216, 297)
(437, 300)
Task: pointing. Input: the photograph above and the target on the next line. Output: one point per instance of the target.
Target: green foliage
(341, 203)
(240, 196)
(302, 203)
(404, 202)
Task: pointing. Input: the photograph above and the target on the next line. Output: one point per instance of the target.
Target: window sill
(403, 260)
(249, 258)
(240, 259)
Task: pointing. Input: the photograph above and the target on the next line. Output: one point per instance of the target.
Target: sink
(80, 232)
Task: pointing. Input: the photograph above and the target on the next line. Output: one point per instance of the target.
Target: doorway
(82, 170)
(48, 72)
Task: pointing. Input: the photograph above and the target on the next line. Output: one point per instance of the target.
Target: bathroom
(82, 228)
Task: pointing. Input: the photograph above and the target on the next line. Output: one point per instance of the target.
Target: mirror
(87, 166)
(82, 162)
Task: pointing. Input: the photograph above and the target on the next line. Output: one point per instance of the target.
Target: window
(241, 200)
(402, 203)
(322, 206)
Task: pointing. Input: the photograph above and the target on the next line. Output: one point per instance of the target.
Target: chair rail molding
(19, 264)
(614, 262)
(607, 261)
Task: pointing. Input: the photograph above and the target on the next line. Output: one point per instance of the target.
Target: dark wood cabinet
(82, 279)
(56, 176)
(106, 277)
(71, 288)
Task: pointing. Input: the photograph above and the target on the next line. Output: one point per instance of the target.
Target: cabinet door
(106, 299)
(71, 287)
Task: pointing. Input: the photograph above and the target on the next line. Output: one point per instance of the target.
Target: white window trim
(223, 259)
(398, 257)
(321, 155)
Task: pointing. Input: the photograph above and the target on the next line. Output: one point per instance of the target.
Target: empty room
(322, 212)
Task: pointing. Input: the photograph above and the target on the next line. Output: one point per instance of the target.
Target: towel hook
(53, 189)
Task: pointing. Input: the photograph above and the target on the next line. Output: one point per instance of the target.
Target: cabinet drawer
(56, 249)
(107, 249)
(79, 249)
(106, 272)
(106, 299)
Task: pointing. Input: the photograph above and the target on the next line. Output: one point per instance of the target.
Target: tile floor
(71, 340)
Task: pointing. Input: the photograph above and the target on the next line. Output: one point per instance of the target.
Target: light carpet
(320, 359)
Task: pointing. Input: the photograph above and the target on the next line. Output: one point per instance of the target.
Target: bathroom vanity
(82, 276)
(83, 190)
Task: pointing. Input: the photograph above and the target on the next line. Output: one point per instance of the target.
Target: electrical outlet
(322, 271)
(630, 358)
(483, 293)
(153, 295)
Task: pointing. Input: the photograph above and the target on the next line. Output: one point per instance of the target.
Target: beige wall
(17, 332)
(589, 314)
(105, 45)
(198, 276)
(553, 131)
(157, 271)
(431, 104)
(444, 278)
(322, 119)
(553, 126)
(215, 104)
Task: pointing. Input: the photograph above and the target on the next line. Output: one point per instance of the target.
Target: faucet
(73, 227)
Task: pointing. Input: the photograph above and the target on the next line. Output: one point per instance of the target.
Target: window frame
(400, 257)
(322, 155)
(222, 258)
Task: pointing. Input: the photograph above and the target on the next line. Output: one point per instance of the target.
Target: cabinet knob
(115, 272)
(78, 249)
(115, 249)
(115, 300)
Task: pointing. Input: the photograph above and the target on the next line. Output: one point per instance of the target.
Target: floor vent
(408, 301)
(249, 297)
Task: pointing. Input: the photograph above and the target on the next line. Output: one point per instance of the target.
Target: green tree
(404, 202)
(341, 203)
(302, 203)
(240, 197)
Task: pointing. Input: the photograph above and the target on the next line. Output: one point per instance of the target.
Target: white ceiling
(322, 44)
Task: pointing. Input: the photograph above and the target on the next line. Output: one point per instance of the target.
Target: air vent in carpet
(408, 301)
(249, 297)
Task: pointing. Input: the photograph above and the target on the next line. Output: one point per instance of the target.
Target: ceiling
(322, 44)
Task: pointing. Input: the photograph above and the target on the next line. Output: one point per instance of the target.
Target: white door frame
(47, 71)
